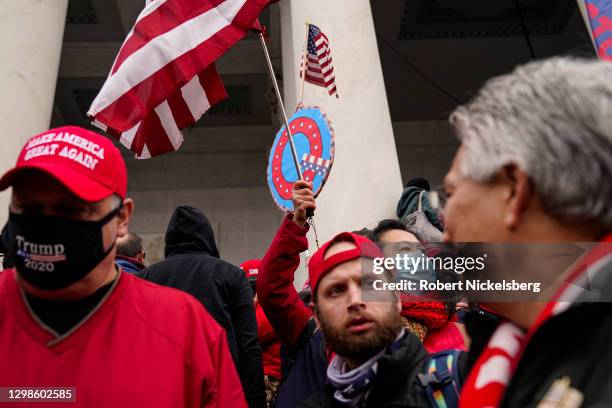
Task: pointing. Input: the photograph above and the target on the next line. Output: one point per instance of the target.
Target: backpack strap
(441, 379)
(420, 202)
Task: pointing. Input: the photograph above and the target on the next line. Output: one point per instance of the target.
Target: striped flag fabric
(600, 17)
(318, 165)
(164, 78)
(319, 65)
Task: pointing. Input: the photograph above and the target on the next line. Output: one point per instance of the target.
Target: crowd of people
(79, 309)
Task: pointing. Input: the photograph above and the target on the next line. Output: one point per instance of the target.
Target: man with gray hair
(534, 165)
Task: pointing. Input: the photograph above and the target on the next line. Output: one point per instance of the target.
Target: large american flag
(319, 65)
(164, 78)
(600, 17)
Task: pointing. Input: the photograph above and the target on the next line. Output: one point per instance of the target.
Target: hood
(190, 231)
(409, 204)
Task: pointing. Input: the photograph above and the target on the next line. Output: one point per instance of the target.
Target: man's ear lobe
(521, 193)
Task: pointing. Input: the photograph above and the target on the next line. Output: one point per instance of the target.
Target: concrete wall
(244, 218)
(425, 149)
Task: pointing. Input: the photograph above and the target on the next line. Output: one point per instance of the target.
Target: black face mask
(53, 252)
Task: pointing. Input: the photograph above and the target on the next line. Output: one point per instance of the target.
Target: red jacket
(146, 346)
(269, 343)
(277, 296)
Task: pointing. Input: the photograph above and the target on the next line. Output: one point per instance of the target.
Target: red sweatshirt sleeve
(265, 331)
(275, 291)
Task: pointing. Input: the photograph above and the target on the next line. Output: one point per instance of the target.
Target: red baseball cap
(85, 162)
(250, 268)
(318, 267)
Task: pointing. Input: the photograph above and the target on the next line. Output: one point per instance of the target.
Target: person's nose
(355, 298)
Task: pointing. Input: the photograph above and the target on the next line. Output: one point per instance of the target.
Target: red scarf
(431, 314)
(492, 372)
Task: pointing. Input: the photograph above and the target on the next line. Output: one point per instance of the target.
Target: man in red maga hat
(73, 322)
(376, 361)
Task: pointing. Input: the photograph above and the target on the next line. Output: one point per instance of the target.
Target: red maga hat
(88, 164)
(318, 267)
(250, 268)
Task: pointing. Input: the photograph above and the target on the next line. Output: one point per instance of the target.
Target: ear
(124, 216)
(520, 193)
(314, 314)
(398, 305)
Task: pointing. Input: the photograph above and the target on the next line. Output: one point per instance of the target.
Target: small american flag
(317, 165)
(319, 66)
(164, 78)
(600, 17)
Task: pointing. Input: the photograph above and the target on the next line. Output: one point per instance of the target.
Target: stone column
(365, 181)
(31, 33)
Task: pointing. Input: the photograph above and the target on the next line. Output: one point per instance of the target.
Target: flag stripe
(157, 145)
(213, 87)
(315, 82)
(145, 153)
(147, 60)
(181, 114)
(195, 97)
(180, 111)
(165, 18)
(128, 137)
(169, 124)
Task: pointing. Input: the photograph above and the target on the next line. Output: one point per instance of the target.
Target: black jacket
(574, 345)
(396, 383)
(192, 264)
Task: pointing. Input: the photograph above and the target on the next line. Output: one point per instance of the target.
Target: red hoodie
(277, 296)
(145, 346)
(270, 345)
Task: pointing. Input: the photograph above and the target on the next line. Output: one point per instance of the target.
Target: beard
(362, 346)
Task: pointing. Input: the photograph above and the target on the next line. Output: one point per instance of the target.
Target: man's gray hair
(552, 119)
